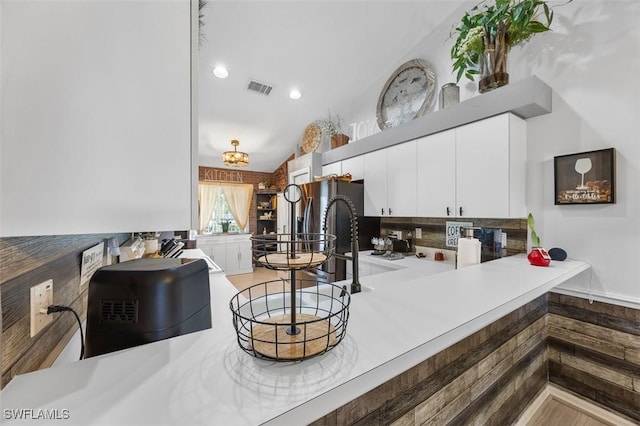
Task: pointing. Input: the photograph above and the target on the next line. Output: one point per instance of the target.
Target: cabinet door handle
(382, 211)
(448, 212)
(460, 211)
(390, 210)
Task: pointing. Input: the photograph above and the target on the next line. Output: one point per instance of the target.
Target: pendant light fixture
(235, 158)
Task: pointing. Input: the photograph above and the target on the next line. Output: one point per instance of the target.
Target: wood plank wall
(594, 351)
(488, 377)
(491, 376)
(433, 230)
(24, 262)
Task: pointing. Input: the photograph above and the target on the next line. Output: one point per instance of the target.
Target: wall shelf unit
(266, 211)
(527, 98)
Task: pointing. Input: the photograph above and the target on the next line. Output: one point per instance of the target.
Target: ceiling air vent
(256, 86)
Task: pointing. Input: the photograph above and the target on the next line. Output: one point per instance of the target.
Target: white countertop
(419, 265)
(205, 378)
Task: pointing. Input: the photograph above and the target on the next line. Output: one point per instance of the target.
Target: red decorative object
(539, 257)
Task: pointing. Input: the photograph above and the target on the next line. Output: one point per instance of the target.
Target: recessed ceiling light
(295, 94)
(220, 72)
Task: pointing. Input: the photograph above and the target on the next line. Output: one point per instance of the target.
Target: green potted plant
(537, 256)
(332, 126)
(487, 32)
(225, 225)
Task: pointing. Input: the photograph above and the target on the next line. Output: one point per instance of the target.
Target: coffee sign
(453, 232)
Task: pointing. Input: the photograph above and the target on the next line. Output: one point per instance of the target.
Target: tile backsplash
(434, 230)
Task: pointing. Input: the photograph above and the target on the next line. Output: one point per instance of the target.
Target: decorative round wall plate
(407, 94)
(311, 138)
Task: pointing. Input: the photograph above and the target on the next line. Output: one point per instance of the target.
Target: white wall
(592, 62)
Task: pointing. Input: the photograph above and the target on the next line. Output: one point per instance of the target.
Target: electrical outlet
(41, 298)
(418, 233)
(504, 240)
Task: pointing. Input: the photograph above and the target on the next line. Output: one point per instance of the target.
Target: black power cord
(59, 308)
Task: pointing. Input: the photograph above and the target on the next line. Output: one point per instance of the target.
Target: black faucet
(353, 219)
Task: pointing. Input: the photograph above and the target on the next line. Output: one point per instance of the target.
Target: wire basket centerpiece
(288, 252)
(291, 319)
(275, 323)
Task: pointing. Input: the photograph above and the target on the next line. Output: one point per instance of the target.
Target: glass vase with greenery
(487, 32)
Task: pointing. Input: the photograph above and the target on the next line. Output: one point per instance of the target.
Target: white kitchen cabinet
(476, 170)
(436, 190)
(491, 168)
(109, 87)
(375, 183)
(354, 166)
(390, 181)
(238, 258)
(332, 169)
(231, 252)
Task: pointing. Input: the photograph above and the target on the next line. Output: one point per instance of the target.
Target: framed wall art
(585, 177)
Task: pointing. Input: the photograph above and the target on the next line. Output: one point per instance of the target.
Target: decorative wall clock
(407, 94)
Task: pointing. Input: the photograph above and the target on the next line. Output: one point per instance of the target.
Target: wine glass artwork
(583, 165)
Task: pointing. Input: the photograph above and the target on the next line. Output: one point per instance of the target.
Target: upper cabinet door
(401, 178)
(375, 183)
(332, 169)
(490, 165)
(354, 166)
(436, 179)
(97, 117)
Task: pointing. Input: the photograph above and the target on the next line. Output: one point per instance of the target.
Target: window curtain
(238, 198)
(207, 196)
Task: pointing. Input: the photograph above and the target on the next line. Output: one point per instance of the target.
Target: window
(220, 215)
(223, 207)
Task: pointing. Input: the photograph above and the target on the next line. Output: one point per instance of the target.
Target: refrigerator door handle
(307, 216)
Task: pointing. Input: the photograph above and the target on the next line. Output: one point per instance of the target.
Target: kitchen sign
(453, 232)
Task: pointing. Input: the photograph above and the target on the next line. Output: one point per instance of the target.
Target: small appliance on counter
(482, 245)
(402, 242)
(146, 300)
(381, 245)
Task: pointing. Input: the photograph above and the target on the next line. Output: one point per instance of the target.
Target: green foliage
(523, 19)
(535, 240)
(330, 125)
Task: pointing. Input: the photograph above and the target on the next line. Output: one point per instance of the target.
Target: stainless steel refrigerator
(311, 210)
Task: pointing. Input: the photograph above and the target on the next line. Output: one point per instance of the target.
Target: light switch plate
(41, 298)
(504, 240)
(418, 233)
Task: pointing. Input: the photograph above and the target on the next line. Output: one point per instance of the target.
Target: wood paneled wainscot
(591, 349)
(594, 351)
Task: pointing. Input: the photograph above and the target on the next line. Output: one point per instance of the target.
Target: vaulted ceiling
(332, 51)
